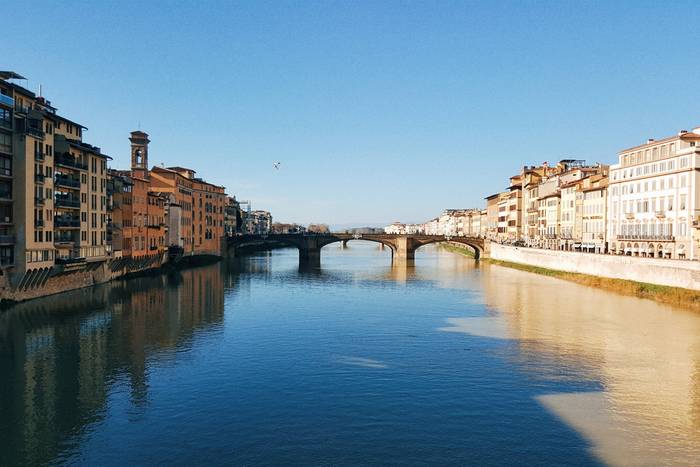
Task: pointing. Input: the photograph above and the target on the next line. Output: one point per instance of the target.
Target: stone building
(653, 200)
(53, 200)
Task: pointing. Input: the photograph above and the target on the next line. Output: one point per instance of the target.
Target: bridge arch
(472, 243)
(392, 247)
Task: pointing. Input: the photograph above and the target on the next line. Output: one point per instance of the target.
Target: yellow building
(53, 192)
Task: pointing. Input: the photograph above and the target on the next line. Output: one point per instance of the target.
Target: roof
(178, 169)
(87, 147)
(71, 121)
(10, 75)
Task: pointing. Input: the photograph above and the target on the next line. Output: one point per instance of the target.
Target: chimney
(682, 132)
(650, 140)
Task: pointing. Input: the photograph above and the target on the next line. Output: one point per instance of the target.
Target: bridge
(403, 247)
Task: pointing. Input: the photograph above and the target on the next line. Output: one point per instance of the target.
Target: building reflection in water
(646, 357)
(63, 354)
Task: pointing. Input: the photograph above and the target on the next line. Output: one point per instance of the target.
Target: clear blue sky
(378, 111)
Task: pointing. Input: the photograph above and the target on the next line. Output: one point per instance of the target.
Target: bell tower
(139, 153)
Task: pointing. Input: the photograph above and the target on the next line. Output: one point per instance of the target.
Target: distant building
(258, 223)
(279, 228)
(233, 218)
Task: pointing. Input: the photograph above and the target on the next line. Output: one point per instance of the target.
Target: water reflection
(646, 357)
(61, 357)
(343, 364)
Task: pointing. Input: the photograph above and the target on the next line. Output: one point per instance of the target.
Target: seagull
(276, 165)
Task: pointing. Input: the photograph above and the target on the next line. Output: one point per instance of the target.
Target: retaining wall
(675, 273)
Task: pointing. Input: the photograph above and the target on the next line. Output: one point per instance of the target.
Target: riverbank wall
(63, 278)
(667, 272)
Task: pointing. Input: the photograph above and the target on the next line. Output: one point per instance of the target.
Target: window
(6, 118)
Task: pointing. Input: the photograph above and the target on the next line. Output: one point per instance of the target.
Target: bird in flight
(276, 165)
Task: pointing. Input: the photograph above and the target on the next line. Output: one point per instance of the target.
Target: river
(253, 362)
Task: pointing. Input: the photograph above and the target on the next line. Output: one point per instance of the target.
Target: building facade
(653, 199)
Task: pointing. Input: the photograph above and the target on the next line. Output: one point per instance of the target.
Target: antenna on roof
(40, 95)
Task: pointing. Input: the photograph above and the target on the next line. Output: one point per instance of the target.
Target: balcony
(39, 178)
(23, 109)
(68, 182)
(5, 173)
(72, 259)
(64, 239)
(647, 237)
(38, 223)
(7, 239)
(660, 214)
(39, 156)
(6, 261)
(5, 196)
(67, 202)
(39, 201)
(7, 100)
(66, 222)
(36, 132)
(70, 163)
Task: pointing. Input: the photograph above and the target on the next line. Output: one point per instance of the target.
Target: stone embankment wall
(49, 281)
(674, 273)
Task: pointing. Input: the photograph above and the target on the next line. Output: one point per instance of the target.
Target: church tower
(139, 153)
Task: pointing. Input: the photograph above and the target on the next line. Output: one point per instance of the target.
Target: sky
(377, 111)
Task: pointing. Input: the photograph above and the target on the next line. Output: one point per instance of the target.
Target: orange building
(200, 229)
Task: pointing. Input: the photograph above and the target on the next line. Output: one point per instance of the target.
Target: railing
(6, 148)
(7, 239)
(7, 261)
(70, 162)
(39, 178)
(21, 108)
(152, 247)
(66, 222)
(6, 195)
(38, 222)
(38, 201)
(668, 238)
(6, 124)
(67, 181)
(69, 260)
(5, 172)
(7, 100)
(67, 202)
(38, 155)
(65, 239)
(34, 132)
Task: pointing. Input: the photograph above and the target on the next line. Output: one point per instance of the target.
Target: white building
(653, 198)
(396, 228)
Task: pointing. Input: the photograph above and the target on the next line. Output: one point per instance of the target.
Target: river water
(253, 362)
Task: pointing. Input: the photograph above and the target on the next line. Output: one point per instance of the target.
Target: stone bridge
(403, 247)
